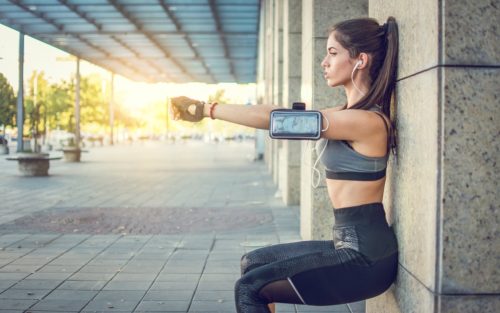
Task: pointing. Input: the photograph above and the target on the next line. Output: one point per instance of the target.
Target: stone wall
(441, 194)
(442, 191)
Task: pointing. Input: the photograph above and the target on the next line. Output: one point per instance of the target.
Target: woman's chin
(332, 83)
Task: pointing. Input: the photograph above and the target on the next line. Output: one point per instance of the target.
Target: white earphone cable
(352, 77)
(316, 174)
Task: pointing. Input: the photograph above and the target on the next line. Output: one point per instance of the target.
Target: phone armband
(295, 124)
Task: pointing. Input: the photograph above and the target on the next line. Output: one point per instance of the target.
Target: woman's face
(337, 64)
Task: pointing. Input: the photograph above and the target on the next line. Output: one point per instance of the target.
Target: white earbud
(360, 62)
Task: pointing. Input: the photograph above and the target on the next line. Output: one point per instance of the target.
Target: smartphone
(295, 124)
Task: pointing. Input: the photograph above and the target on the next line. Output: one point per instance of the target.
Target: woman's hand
(187, 109)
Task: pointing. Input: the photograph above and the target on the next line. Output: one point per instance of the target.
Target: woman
(361, 262)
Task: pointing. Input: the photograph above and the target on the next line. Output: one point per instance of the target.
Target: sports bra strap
(386, 129)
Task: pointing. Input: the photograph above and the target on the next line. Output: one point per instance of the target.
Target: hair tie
(385, 28)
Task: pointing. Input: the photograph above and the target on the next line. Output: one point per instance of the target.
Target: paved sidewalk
(148, 227)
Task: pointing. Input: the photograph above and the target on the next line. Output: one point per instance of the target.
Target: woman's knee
(249, 261)
(244, 264)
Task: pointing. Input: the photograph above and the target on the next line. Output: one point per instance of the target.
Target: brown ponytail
(381, 42)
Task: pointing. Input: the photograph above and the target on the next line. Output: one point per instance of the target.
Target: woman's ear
(363, 60)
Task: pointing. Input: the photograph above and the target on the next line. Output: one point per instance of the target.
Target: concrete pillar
(277, 82)
(289, 182)
(260, 135)
(442, 191)
(268, 73)
(316, 216)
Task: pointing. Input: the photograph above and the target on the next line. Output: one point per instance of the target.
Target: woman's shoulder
(351, 124)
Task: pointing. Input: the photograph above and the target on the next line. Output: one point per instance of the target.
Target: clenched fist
(187, 109)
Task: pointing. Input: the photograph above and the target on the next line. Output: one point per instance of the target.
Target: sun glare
(143, 101)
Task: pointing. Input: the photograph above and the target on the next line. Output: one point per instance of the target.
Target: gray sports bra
(342, 162)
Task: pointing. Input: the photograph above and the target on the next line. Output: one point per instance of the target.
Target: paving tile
(82, 285)
(174, 285)
(14, 268)
(120, 296)
(110, 305)
(169, 295)
(6, 284)
(50, 276)
(59, 268)
(123, 276)
(217, 285)
(24, 294)
(171, 277)
(212, 306)
(100, 269)
(163, 306)
(127, 285)
(92, 276)
(59, 305)
(12, 304)
(207, 295)
(12, 276)
(61, 294)
(37, 284)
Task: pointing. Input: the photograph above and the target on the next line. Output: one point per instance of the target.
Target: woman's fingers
(192, 109)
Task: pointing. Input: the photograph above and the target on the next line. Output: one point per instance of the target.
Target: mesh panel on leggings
(346, 237)
(248, 287)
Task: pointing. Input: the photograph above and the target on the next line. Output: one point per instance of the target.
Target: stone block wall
(442, 191)
(441, 194)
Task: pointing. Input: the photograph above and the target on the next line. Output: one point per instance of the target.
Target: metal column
(77, 104)
(20, 96)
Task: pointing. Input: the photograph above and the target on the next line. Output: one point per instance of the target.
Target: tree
(93, 105)
(7, 103)
(60, 107)
(36, 105)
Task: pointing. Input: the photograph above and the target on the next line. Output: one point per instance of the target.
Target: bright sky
(58, 65)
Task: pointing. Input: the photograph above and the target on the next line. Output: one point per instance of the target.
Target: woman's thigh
(284, 251)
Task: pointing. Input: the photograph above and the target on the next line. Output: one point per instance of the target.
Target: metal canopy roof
(148, 40)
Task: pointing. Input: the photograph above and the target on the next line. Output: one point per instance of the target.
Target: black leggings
(360, 263)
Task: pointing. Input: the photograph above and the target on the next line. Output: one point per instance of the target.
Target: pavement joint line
(156, 277)
(75, 272)
(20, 257)
(214, 239)
(15, 242)
(116, 273)
(62, 253)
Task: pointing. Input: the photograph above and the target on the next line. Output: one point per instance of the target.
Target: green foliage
(36, 103)
(7, 103)
(93, 105)
(60, 110)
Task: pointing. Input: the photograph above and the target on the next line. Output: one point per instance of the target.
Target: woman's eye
(333, 53)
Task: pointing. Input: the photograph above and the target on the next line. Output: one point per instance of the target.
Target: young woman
(361, 262)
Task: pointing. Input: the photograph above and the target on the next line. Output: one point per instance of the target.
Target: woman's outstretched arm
(255, 116)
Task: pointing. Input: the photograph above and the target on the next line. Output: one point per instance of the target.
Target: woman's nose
(323, 63)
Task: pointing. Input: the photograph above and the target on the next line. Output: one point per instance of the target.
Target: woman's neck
(353, 94)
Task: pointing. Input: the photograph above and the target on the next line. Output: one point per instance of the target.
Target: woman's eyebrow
(330, 48)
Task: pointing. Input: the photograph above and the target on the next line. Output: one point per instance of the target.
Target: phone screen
(295, 124)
